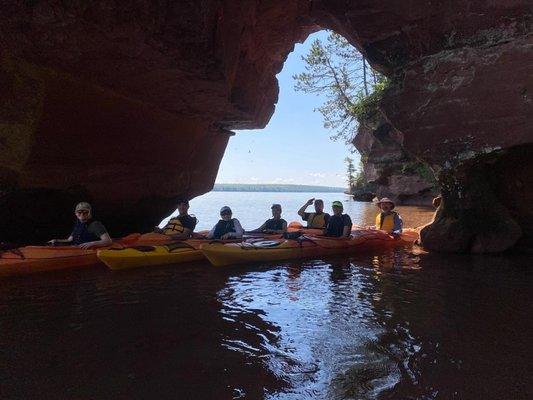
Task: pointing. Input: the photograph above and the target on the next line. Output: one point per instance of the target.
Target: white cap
(83, 206)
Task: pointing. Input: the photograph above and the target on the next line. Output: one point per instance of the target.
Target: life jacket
(222, 227)
(275, 224)
(385, 222)
(316, 220)
(174, 225)
(81, 234)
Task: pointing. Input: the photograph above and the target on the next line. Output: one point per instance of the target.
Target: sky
(294, 148)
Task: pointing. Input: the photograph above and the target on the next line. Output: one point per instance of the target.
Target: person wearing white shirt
(227, 227)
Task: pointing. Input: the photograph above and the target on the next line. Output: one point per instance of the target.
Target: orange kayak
(31, 259)
(307, 247)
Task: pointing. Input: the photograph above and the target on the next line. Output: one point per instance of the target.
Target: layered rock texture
(130, 104)
(388, 171)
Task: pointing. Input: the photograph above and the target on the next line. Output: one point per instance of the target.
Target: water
(394, 325)
(253, 208)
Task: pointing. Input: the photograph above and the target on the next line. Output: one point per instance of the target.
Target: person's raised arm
(301, 211)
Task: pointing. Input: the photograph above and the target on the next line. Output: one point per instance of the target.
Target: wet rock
(129, 104)
(363, 195)
(485, 206)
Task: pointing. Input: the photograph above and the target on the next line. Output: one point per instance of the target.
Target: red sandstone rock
(388, 169)
(127, 104)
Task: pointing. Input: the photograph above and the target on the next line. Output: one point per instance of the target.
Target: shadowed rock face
(129, 104)
(388, 169)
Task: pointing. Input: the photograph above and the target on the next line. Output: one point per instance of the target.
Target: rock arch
(130, 104)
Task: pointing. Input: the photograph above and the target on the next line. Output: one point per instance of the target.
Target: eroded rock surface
(129, 104)
(388, 170)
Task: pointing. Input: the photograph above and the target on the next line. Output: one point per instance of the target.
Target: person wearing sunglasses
(87, 233)
(227, 227)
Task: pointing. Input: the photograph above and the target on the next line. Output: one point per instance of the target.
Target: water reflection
(139, 334)
(325, 341)
(393, 325)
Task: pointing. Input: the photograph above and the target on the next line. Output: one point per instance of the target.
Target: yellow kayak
(149, 256)
(148, 251)
(220, 254)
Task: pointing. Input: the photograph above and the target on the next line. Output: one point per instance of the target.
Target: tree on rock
(335, 68)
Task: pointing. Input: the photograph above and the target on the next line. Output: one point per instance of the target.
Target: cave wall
(130, 104)
(388, 170)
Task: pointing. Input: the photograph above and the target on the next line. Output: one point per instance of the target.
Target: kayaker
(181, 226)
(318, 219)
(339, 224)
(87, 232)
(274, 225)
(227, 227)
(388, 220)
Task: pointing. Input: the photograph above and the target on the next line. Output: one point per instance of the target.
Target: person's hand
(86, 246)
(225, 236)
(52, 242)
(158, 230)
(310, 201)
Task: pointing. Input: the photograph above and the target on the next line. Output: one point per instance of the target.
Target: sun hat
(386, 200)
(83, 206)
(337, 204)
(225, 209)
(276, 206)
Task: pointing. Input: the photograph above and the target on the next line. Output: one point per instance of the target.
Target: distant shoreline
(245, 187)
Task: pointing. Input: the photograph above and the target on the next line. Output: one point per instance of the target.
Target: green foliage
(350, 171)
(359, 180)
(355, 177)
(420, 169)
(336, 69)
(366, 108)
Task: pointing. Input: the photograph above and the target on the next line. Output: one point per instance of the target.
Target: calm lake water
(253, 208)
(391, 325)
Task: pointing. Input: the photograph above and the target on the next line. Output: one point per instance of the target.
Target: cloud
(317, 174)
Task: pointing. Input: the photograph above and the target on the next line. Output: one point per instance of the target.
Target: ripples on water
(387, 326)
